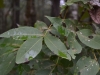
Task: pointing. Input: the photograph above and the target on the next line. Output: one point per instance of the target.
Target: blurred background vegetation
(14, 13)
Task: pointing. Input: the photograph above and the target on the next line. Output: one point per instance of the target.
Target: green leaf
(55, 21)
(61, 30)
(40, 25)
(73, 44)
(28, 50)
(61, 54)
(54, 31)
(88, 38)
(7, 60)
(10, 42)
(44, 63)
(87, 66)
(69, 26)
(43, 72)
(70, 2)
(56, 46)
(22, 32)
(72, 53)
(63, 62)
(26, 67)
(69, 23)
(47, 51)
(8, 47)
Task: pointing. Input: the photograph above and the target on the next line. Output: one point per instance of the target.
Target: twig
(79, 19)
(94, 56)
(54, 66)
(48, 29)
(66, 10)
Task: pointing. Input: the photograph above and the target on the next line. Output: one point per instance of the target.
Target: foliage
(66, 47)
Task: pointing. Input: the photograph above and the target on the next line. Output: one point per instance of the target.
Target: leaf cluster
(66, 47)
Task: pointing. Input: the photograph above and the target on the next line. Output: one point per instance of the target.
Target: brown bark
(15, 13)
(30, 13)
(55, 8)
(1, 21)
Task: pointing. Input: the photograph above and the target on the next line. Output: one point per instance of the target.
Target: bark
(55, 8)
(1, 21)
(15, 13)
(30, 13)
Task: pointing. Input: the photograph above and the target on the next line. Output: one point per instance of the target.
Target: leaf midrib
(52, 42)
(87, 38)
(31, 47)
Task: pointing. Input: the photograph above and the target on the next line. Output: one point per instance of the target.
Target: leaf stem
(54, 66)
(79, 19)
(48, 29)
(94, 56)
(66, 10)
(15, 49)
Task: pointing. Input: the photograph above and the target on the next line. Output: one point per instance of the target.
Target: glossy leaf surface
(87, 66)
(56, 46)
(40, 25)
(73, 44)
(28, 50)
(55, 21)
(22, 32)
(88, 38)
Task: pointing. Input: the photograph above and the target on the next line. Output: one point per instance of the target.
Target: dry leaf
(95, 3)
(95, 11)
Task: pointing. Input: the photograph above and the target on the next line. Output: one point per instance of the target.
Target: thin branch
(66, 10)
(54, 66)
(94, 56)
(79, 19)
